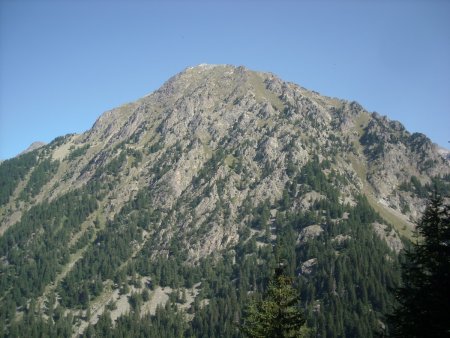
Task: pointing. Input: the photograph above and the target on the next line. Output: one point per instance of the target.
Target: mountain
(191, 195)
(33, 146)
(444, 152)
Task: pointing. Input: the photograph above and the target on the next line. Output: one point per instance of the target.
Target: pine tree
(277, 314)
(424, 298)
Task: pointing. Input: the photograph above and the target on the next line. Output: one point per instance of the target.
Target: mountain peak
(206, 66)
(33, 146)
(218, 166)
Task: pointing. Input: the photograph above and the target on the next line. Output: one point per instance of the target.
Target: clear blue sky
(63, 63)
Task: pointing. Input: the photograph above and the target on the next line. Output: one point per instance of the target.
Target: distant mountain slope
(214, 169)
(33, 146)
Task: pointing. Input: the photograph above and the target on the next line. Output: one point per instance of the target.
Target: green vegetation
(348, 282)
(423, 299)
(102, 260)
(196, 200)
(33, 325)
(167, 322)
(78, 152)
(342, 293)
(41, 175)
(13, 171)
(226, 286)
(440, 185)
(277, 314)
(35, 249)
(58, 141)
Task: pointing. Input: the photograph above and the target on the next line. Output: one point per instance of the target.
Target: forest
(343, 274)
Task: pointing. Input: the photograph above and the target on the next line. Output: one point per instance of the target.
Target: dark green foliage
(350, 279)
(277, 314)
(41, 175)
(440, 185)
(35, 248)
(113, 167)
(417, 186)
(167, 322)
(418, 141)
(350, 286)
(78, 152)
(339, 269)
(137, 156)
(312, 175)
(424, 297)
(145, 295)
(156, 147)
(58, 141)
(261, 216)
(111, 247)
(32, 325)
(344, 294)
(135, 300)
(373, 140)
(12, 172)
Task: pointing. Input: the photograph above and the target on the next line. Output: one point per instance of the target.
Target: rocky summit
(177, 207)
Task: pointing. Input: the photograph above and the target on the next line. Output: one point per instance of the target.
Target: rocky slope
(211, 141)
(33, 146)
(256, 120)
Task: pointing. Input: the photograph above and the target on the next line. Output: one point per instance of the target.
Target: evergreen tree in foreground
(424, 298)
(277, 314)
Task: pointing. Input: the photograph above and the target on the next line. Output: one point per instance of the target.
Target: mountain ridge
(218, 161)
(118, 124)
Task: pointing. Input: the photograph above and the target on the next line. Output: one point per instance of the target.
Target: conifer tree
(424, 298)
(277, 314)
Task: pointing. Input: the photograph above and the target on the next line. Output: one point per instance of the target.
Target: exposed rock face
(389, 147)
(309, 232)
(229, 133)
(445, 153)
(341, 238)
(307, 267)
(389, 235)
(218, 150)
